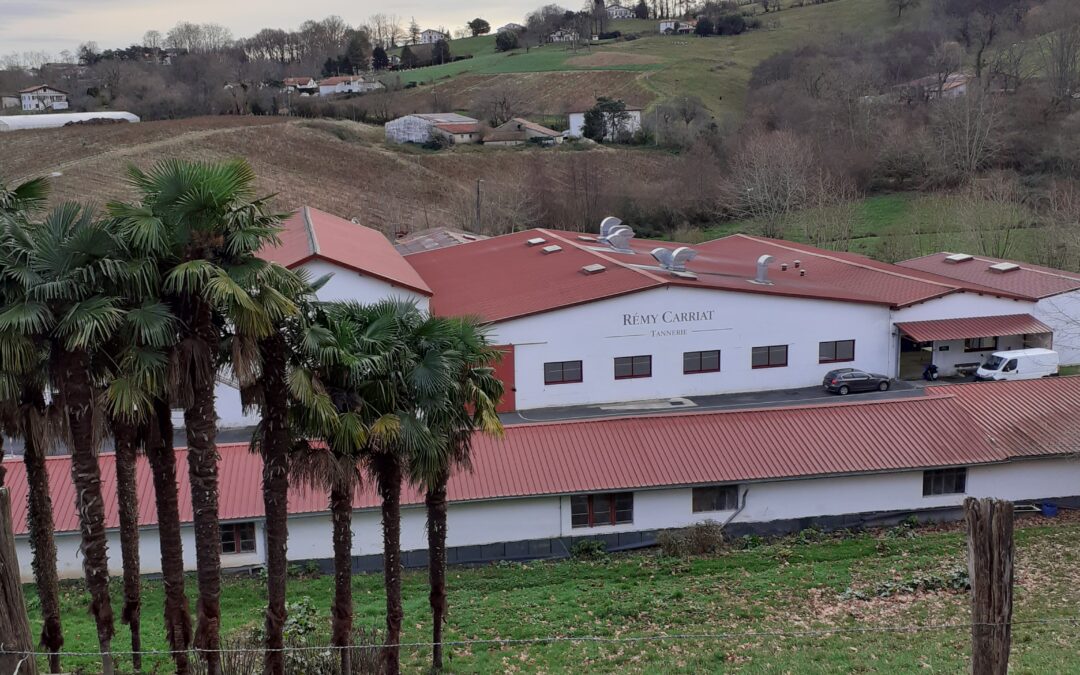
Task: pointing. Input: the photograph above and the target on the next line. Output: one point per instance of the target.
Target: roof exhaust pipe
(763, 271)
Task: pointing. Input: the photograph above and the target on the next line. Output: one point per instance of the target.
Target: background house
(43, 97)
(563, 35)
(510, 28)
(631, 124)
(675, 27)
(518, 131)
(422, 127)
(305, 86)
(10, 101)
(429, 37)
(617, 11)
(348, 84)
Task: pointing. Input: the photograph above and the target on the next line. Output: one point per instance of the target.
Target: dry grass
(608, 59)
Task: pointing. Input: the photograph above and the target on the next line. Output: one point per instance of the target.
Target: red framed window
(562, 372)
(836, 351)
(701, 362)
(237, 537)
(773, 356)
(629, 367)
(610, 508)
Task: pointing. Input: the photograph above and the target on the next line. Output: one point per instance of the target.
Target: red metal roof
(463, 128)
(624, 453)
(313, 234)
(1026, 418)
(1031, 281)
(973, 327)
(529, 282)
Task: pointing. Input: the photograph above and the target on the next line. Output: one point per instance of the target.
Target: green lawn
(794, 585)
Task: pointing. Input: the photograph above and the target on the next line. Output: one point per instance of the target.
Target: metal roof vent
(958, 258)
(554, 248)
(595, 268)
(674, 259)
(684, 275)
(607, 225)
(536, 241)
(763, 271)
(1002, 268)
(585, 237)
(619, 239)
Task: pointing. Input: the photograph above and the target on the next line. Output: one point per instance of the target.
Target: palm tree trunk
(200, 420)
(162, 456)
(387, 470)
(275, 446)
(77, 394)
(39, 516)
(125, 436)
(341, 498)
(435, 501)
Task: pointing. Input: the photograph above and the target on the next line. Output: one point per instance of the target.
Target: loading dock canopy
(973, 327)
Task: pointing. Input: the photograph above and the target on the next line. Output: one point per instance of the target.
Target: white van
(1019, 364)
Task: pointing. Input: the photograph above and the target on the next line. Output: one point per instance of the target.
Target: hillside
(716, 69)
(345, 168)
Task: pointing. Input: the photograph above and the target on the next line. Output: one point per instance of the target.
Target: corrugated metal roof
(1026, 418)
(1031, 281)
(973, 327)
(626, 453)
(313, 234)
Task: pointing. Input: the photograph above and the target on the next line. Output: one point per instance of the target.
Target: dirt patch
(610, 59)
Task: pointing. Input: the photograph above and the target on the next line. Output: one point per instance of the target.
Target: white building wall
(349, 285)
(577, 123)
(502, 520)
(596, 333)
(1062, 313)
(962, 305)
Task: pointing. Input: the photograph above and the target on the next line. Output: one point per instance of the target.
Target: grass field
(717, 69)
(810, 582)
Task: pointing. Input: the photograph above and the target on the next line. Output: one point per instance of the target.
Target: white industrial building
(424, 127)
(535, 491)
(54, 120)
(628, 125)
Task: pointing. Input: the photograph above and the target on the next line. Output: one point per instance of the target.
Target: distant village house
(305, 86)
(511, 28)
(43, 97)
(519, 131)
(628, 126)
(563, 35)
(430, 37)
(617, 11)
(673, 27)
(348, 84)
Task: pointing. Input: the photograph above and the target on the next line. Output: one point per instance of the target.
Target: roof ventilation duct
(1003, 267)
(608, 224)
(619, 239)
(595, 268)
(763, 271)
(536, 241)
(958, 258)
(674, 260)
(554, 248)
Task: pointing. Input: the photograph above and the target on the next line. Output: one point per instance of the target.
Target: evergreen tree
(479, 27)
(441, 53)
(641, 10)
(414, 32)
(379, 58)
(358, 52)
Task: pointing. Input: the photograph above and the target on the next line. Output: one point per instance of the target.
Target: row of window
(616, 508)
(631, 367)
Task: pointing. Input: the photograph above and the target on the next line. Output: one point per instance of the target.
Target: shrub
(613, 35)
(506, 40)
(589, 549)
(703, 538)
(730, 24)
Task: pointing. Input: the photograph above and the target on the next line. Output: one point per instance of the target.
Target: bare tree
(900, 5)
(945, 61)
(832, 211)
(966, 133)
(152, 39)
(772, 172)
(991, 213)
(500, 104)
(1059, 56)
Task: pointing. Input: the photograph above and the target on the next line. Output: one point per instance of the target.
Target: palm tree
(71, 268)
(23, 361)
(470, 405)
(202, 225)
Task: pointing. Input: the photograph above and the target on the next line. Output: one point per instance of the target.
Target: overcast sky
(55, 25)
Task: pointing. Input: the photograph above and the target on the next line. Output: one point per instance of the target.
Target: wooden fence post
(990, 567)
(14, 624)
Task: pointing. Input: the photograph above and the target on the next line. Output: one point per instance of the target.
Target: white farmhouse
(305, 86)
(1056, 293)
(430, 37)
(422, 127)
(617, 11)
(348, 84)
(677, 27)
(563, 35)
(540, 488)
(43, 97)
(627, 127)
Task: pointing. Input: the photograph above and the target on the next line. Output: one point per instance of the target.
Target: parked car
(846, 380)
(1019, 364)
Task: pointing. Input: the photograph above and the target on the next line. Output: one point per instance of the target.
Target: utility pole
(479, 183)
(990, 568)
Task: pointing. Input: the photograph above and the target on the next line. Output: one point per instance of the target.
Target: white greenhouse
(419, 127)
(51, 121)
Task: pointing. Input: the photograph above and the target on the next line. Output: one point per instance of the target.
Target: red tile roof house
(1055, 293)
(543, 486)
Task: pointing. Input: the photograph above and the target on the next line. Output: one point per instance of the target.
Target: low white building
(677, 26)
(629, 125)
(617, 11)
(348, 84)
(305, 86)
(541, 487)
(563, 35)
(424, 127)
(53, 120)
(10, 101)
(430, 37)
(1055, 294)
(43, 97)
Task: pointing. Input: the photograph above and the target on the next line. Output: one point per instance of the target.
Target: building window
(836, 351)
(701, 362)
(944, 482)
(562, 372)
(774, 356)
(628, 367)
(980, 344)
(612, 508)
(237, 537)
(716, 498)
